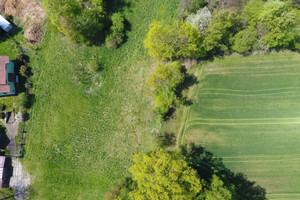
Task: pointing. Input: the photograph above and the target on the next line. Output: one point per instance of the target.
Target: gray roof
(5, 25)
(2, 161)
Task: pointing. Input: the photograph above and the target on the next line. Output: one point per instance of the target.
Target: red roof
(3, 61)
(3, 87)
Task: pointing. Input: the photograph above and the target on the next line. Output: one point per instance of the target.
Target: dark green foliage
(81, 21)
(244, 40)
(194, 5)
(116, 37)
(220, 31)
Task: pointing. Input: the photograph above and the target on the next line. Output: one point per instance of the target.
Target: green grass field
(83, 127)
(247, 111)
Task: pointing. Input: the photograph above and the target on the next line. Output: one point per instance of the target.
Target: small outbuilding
(5, 25)
(7, 76)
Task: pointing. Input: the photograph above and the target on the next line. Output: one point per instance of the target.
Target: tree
(116, 37)
(251, 12)
(173, 41)
(217, 190)
(279, 20)
(201, 19)
(244, 40)
(220, 31)
(162, 175)
(81, 21)
(166, 77)
(164, 80)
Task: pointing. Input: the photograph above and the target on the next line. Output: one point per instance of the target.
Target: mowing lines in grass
(247, 110)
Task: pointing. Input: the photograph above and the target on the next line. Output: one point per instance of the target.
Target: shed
(2, 162)
(5, 25)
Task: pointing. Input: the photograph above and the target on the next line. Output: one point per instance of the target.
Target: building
(7, 77)
(2, 162)
(5, 25)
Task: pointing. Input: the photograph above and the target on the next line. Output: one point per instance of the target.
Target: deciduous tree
(161, 175)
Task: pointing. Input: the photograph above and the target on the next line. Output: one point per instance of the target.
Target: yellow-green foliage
(217, 190)
(162, 175)
(166, 77)
(173, 41)
(164, 81)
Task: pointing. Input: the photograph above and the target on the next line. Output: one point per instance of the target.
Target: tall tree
(162, 175)
(173, 41)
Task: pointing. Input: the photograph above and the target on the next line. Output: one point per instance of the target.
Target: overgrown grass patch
(85, 127)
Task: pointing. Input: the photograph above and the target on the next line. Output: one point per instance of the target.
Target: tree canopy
(162, 175)
(164, 81)
(173, 41)
(81, 21)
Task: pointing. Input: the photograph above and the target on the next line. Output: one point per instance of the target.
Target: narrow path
(20, 180)
(186, 111)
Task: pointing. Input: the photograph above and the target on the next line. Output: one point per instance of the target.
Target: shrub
(166, 77)
(23, 70)
(201, 19)
(22, 100)
(164, 81)
(93, 66)
(116, 37)
(173, 41)
(244, 40)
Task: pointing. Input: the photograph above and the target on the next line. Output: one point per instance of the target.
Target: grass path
(186, 111)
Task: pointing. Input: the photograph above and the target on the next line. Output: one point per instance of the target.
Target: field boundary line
(186, 112)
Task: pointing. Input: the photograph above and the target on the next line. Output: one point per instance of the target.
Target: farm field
(84, 127)
(246, 109)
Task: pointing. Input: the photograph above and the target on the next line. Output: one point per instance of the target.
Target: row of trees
(191, 173)
(85, 21)
(202, 32)
(261, 25)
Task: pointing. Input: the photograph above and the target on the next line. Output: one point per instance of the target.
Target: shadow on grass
(4, 140)
(206, 164)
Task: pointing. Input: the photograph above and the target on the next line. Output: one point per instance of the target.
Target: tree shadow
(116, 5)
(4, 140)
(7, 172)
(167, 140)
(206, 164)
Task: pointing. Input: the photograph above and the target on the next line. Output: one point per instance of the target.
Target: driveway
(20, 179)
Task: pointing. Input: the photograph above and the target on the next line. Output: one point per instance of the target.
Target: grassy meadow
(84, 127)
(246, 109)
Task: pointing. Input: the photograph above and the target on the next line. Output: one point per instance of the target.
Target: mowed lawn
(246, 109)
(85, 127)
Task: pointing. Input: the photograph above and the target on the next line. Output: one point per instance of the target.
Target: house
(5, 25)
(2, 162)
(7, 76)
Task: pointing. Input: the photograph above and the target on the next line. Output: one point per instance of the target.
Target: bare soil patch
(31, 15)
